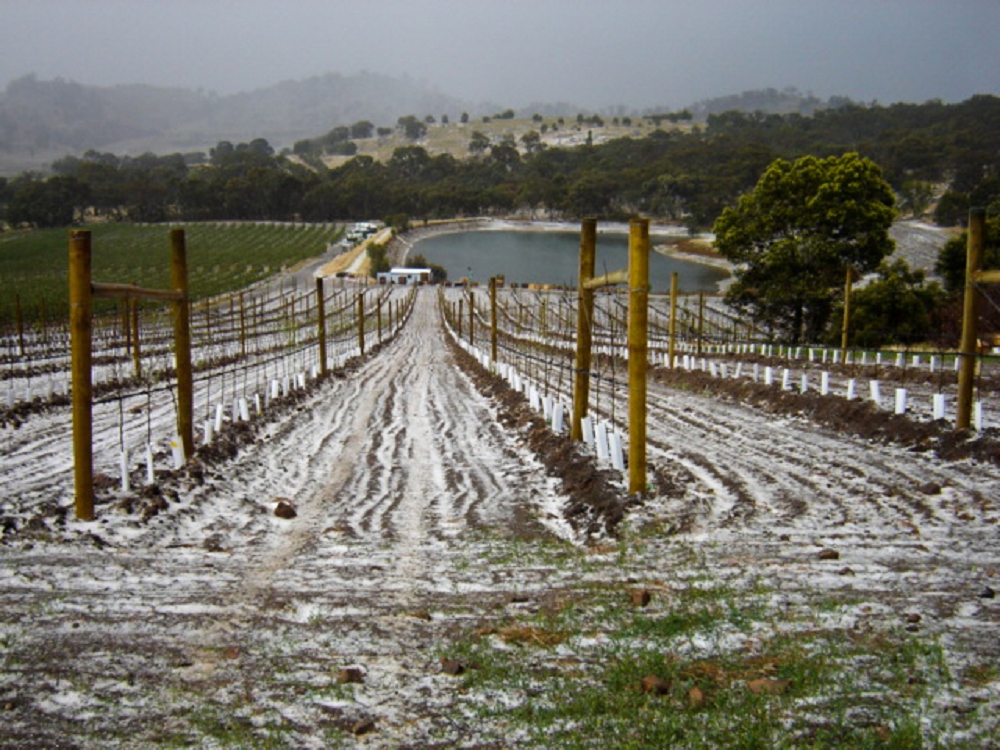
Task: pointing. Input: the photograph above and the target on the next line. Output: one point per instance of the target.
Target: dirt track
(422, 506)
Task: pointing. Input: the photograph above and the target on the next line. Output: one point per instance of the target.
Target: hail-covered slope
(218, 624)
(403, 485)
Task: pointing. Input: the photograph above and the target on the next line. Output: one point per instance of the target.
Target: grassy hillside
(454, 137)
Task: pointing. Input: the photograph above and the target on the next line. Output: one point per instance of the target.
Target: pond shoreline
(403, 244)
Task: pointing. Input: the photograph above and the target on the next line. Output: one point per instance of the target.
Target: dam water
(548, 257)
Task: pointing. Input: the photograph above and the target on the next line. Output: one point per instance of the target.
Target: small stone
(845, 571)
(785, 538)
(696, 698)
(214, 543)
(913, 617)
(829, 554)
(912, 628)
(655, 685)
(363, 726)
(452, 667)
(350, 676)
(231, 652)
(987, 593)
(640, 597)
(766, 686)
(285, 509)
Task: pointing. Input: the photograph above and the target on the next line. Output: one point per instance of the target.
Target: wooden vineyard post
(672, 331)
(584, 318)
(136, 352)
(82, 292)
(967, 348)
(126, 327)
(243, 328)
(320, 324)
(701, 319)
(80, 312)
(461, 313)
(472, 320)
(844, 332)
(638, 320)
(637, 278)
(361, 321)
(378, 316)
(182, 341)
(493, 320)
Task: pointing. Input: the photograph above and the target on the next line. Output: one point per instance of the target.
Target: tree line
(726, 174)
(948, 154)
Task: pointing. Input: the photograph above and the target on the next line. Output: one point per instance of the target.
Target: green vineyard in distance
(222, 257)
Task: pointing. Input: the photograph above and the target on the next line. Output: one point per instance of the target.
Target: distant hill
(41, 120)
(770, 101)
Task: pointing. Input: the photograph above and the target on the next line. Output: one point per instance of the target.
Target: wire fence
(537, 336)
(249, 349)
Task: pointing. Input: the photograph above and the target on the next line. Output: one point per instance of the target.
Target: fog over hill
(42, 120)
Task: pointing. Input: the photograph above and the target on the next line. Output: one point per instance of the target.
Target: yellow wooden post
(136, 353)
(967, 349)
(584, 323)
(243, 328)
(672, 332)
(321, 324)
(638, 318)
(126, 327)
(701, 319)
(845, 328)
(182, 341)
(80, 311)
(361, 321)
(472, 321)
(493, 320)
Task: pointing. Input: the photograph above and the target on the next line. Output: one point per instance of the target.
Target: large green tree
(793, 237)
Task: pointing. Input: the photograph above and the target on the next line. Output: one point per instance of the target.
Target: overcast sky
(591, 53)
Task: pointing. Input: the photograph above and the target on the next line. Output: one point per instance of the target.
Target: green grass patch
(34, 265)
(731, 670)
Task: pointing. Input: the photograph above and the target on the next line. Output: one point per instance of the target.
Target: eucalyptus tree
(794, 237)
